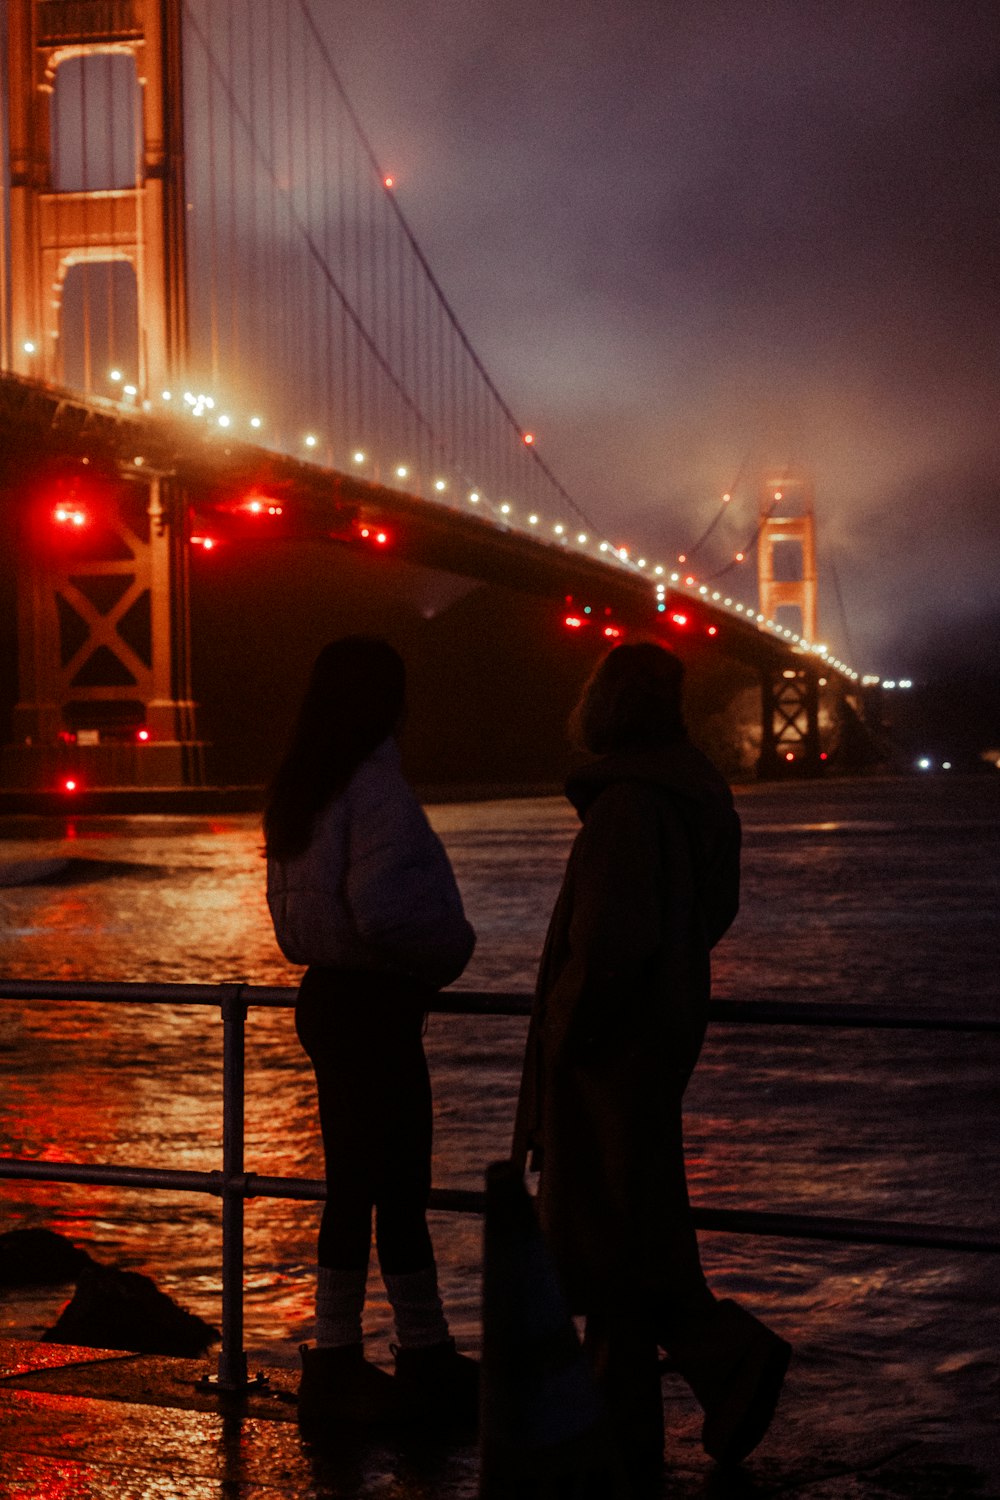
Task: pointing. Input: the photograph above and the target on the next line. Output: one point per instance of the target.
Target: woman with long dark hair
(360, 890)
(620, 1014)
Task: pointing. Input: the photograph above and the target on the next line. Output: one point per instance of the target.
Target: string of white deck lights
(558, 533)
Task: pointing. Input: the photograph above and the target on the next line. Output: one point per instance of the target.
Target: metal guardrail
(234, 1185)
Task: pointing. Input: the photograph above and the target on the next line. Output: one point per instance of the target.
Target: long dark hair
(631, 701)
(354, 700)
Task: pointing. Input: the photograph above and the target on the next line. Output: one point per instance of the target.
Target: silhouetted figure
(619, 1018)
(360, 889)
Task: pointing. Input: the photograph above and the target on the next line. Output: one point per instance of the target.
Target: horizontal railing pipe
(234, 1185)
(497, 1003)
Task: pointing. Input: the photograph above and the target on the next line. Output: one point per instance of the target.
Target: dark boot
(339, 1388)
(736, 1370)
(438, 1385)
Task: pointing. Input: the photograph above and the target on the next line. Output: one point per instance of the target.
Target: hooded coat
(619, 1018)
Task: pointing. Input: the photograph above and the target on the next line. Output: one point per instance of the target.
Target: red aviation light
(574, 622)
(142, 735)
(70, 515)
(789, 755)
(713, 630)
(612, 632)
(261, 505)
(679, 619)
(70, 784)
(206, 543)
(371, 532)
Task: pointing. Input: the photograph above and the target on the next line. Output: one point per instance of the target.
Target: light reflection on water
(874, 893)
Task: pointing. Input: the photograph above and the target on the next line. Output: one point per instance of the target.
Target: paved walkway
(84, 1424)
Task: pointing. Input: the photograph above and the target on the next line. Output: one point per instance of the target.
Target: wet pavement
(83, 1424)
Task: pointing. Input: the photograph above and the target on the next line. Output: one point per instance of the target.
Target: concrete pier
(95, 1423)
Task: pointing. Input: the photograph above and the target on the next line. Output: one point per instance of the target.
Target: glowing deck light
(29, 347)
(529, 438)
(657, 571)
(559, 530)
(166, 396)
(739, 557)
(256, 422)
(925, 763)
(115, 375)
(358, 457)
(311, 440)
(689, 580)
(777, 495)
(605, 547)
(713, 630)
(138, 461)
(439, 484)
(130, 390)
(582, 538)
(682, 557)
(505, 510)
(532, 520)
(789, 755)
(726, 499)
(388, 182)
(401, 471)
(473, 497)
(224, 421)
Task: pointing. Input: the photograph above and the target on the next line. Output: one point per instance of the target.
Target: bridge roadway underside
(478, 612)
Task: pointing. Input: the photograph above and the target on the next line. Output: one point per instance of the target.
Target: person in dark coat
(620, 1014)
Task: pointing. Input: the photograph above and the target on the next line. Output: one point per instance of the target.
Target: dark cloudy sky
(695, 238)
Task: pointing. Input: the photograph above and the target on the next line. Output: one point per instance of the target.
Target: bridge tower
(53, 227)
(103, 615)
(790, 696)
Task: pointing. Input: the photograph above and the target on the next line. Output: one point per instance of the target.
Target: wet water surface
(876, 893)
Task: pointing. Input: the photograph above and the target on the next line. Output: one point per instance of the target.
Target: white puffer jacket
(374, 891)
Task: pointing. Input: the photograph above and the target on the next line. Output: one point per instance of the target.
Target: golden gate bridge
(219, 330)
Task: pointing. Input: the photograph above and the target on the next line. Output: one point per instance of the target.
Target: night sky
(696, 239)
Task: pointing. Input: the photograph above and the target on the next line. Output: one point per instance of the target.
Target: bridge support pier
(790, 742)
(103, 638)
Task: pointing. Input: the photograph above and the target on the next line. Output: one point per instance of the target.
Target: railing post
(232, 1358)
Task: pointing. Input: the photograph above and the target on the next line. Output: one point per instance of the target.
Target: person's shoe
(736, 1371)
(340, 1388)
(438, 1385)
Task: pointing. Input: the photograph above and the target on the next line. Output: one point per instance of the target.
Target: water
(869, 893)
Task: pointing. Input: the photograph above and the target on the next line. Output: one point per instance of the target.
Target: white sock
(416, 1308)
(340, 1301)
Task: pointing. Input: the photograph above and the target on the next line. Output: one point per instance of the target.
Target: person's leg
(733, 1363)
(435, 1380)
(625, 1360)
(338, 1385)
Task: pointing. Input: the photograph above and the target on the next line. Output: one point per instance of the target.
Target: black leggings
(363, 1034)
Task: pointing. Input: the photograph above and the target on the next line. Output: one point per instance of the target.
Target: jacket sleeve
(400, 889)
(616, 923)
